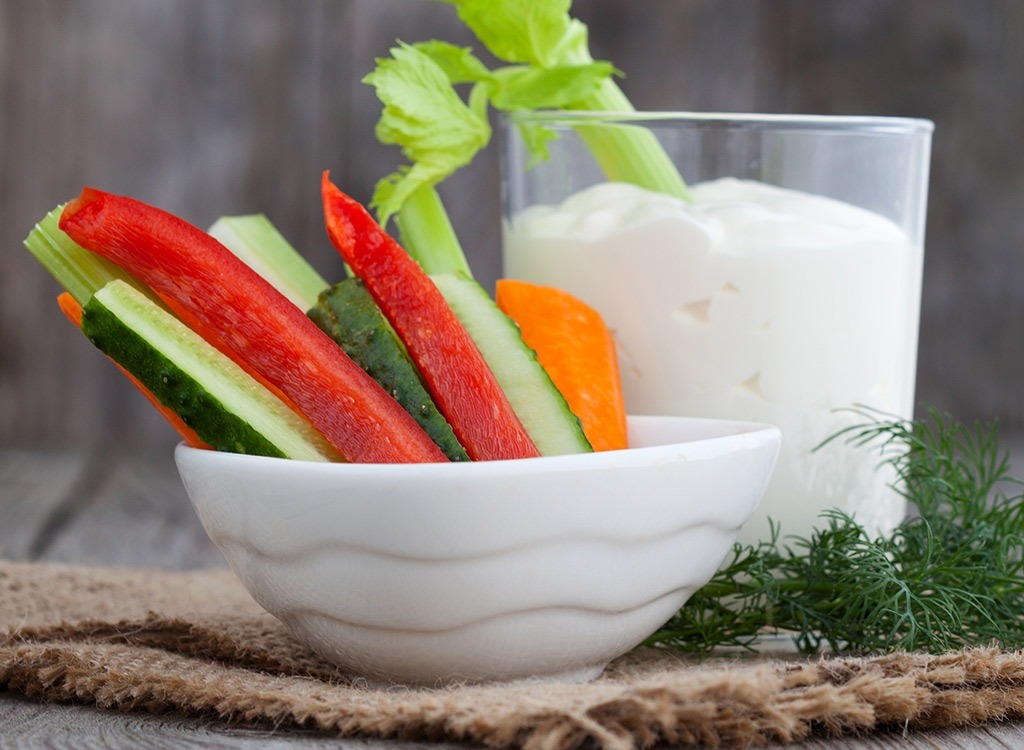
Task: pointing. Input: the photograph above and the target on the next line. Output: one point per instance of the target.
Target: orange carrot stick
(73, 311)
(575, 347)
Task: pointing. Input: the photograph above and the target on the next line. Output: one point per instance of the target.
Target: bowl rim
(723, 433)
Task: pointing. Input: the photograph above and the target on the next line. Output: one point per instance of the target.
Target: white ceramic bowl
(434, 573)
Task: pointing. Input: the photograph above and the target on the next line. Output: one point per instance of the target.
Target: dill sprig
(950, 575)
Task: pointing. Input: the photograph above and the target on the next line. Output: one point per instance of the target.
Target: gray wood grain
(32, 726)
(134, 510)
(39, 492)
(110, 509)
(210, 107)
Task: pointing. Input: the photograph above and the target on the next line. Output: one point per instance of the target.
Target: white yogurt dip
(752, 302)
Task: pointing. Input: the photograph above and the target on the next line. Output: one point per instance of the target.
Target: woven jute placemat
(196, 643)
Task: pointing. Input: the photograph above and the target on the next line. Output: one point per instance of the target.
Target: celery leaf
(520, 87)
(549, 66)
(458, 63)
(423, 114)
(522, 31)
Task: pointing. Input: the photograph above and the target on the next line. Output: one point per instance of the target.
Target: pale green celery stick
(427, 234)
(79, 271)
(624, 152)
(628, 153)
(255, 240)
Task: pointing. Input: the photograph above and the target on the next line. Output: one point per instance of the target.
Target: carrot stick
(71, 309)
(575, 347)
(73, 312)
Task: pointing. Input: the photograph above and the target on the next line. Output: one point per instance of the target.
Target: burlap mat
(196, 643)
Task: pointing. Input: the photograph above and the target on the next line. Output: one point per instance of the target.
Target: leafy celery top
(549, 67)
(951, 575)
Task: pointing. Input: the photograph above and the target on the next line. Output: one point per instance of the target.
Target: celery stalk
(551, 68)
(253, 238)
(76, 269)
(427, 234)
(81, 272)
(625, 153)
(628, 153)
(256, 241)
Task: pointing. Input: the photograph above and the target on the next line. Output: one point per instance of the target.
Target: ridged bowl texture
(440, 573)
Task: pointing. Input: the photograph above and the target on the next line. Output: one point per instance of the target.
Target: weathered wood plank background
(208, 107)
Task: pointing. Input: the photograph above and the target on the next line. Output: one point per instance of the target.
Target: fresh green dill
(950, 575)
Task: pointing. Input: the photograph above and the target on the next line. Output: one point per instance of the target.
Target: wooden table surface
(117, 510)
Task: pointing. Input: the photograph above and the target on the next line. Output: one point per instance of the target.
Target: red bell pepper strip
(185, 264)
(453, 369)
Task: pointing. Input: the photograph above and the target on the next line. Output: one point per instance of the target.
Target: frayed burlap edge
(201, 658)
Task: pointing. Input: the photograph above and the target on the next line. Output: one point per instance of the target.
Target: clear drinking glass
(784, 287)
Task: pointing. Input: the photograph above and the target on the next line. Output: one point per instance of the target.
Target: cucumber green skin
(347, 313)
(535, 399)
(107, 320)
(175, 389)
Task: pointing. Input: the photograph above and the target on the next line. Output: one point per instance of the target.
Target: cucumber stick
(540, 406)
(347, 313)
(225, 406)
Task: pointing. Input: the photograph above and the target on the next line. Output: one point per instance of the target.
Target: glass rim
(745, 120)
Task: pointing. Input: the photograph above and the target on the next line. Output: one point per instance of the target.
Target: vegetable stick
(454, 370)
(83, 273)
(70, 307)
(185, 264)
(73, 311)
(575, 347)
